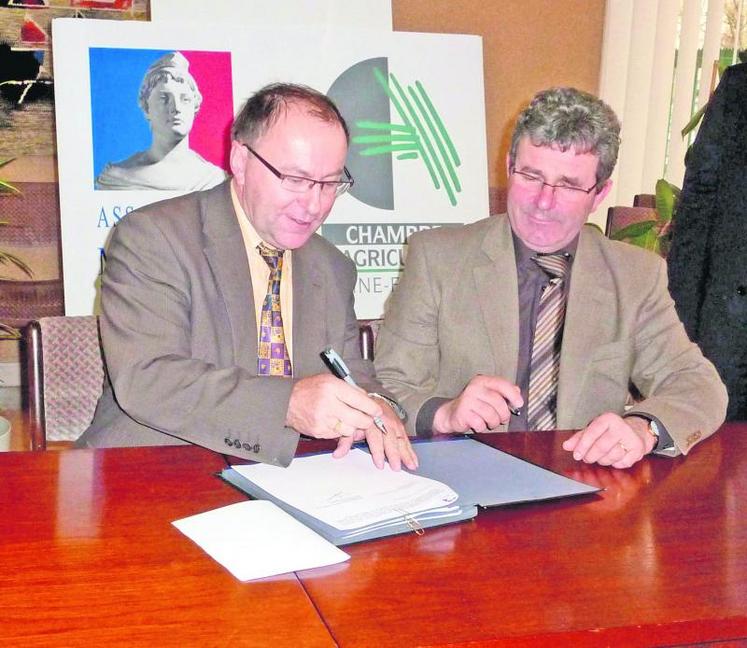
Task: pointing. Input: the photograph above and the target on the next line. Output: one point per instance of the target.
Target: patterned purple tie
(548, 336)
(272, 354)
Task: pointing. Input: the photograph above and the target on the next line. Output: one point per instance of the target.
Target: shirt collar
(250, 234)
(523, 254)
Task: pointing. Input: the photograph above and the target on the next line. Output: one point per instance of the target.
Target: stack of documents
(349, 500)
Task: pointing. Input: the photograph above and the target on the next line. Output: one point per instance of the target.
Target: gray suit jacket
(179, 332)
(455, 314)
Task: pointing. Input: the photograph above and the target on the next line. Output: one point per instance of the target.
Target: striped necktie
(548, 336)
(272, 353)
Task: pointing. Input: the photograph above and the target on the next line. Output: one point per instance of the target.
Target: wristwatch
(398, 409)
(653, 429)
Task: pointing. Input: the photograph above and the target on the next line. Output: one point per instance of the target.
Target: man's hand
(610, 440)
(394, 446)
(482, 405)
(325, 407)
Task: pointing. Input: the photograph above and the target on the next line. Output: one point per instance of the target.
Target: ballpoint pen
(516, 411)
(339, 369)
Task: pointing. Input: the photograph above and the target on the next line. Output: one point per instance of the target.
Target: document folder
(480, 474)
(399, 521)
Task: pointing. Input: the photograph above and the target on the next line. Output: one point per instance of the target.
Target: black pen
(339, 369)
(516, 411)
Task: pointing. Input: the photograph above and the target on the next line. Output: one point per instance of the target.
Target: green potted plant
(654, 234)
(8, 259)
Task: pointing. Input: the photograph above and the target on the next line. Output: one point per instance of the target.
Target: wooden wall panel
(528, 45)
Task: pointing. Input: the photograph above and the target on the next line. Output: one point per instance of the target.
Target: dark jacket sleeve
(695, 215)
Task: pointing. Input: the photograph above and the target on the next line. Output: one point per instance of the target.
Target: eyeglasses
(299, 184)
(535, 182)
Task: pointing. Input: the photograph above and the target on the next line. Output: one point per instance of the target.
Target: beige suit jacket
(180, 336)
(455, 314)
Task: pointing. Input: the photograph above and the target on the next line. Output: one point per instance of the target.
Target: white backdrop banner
(414, 104)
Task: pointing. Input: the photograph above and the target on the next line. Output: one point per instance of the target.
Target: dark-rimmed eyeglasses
(300, 184)
(535, 182)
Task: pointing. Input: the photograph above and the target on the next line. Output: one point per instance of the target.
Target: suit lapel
(309, 310)
(589, 312)
(226, 255)
(498, 295)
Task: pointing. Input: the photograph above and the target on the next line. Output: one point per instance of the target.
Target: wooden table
(88, 556)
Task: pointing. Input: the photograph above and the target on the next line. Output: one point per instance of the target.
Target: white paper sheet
(351, 492)
(255, 539)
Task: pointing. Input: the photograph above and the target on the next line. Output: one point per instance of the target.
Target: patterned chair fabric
(620, 217)
(66, 377)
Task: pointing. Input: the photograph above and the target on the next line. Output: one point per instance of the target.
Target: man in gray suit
(535, 313)
(215, 305)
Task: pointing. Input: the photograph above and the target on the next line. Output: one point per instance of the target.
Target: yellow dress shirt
(260, 273)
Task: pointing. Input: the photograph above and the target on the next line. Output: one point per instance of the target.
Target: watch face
(398, 409)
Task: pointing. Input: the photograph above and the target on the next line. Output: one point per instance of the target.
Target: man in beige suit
(216, 304)
(536, 313)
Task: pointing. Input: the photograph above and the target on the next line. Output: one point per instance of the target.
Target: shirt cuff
(665, 444)
(424, 422)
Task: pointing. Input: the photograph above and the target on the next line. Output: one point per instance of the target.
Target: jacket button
(237, 444)
(741, 291)
(256, 447)
(247, 446)
(228, 441)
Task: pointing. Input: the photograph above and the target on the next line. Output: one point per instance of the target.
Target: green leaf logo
(420, 135)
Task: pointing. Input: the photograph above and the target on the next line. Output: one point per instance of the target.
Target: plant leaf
(694, 120)
(6, 187)
(634, 230)
(12, 259)
(9, 333)
(666, 200)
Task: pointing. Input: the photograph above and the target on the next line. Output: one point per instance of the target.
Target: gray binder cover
(486, 477)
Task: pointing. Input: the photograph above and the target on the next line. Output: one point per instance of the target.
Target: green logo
(420, 135)
(389, 121)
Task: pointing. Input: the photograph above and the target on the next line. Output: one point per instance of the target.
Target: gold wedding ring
(336, 429)
(623, 446)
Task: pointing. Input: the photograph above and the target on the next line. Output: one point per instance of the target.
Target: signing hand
(610, 440)
(483, 405)
(394, 446)
(326, 407)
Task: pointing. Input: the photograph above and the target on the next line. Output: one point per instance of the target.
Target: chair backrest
(368, 331)
(66, 377)
(23, 301)
(644, 200)
(620, 217)
(66, 374)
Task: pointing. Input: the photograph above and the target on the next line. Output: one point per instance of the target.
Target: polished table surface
(88, 556)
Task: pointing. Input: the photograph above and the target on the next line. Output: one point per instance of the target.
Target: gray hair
(170, 66)
(266, 105)
(569, 118)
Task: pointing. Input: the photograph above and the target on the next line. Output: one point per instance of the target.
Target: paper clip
(411, 522)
